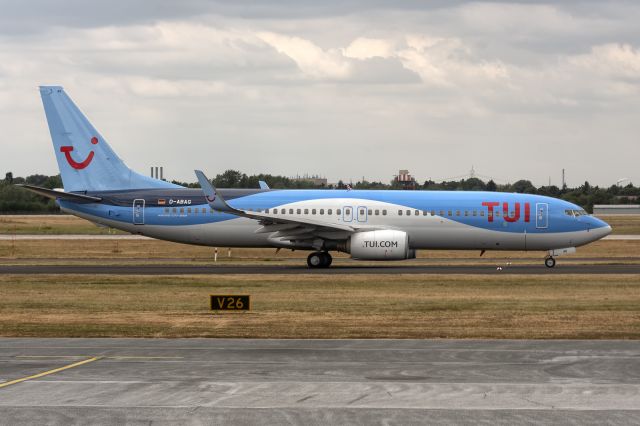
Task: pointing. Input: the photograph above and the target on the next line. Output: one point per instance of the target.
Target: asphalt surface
(497, 268)
(178, 381)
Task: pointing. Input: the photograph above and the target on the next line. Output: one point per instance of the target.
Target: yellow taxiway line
(46, 373)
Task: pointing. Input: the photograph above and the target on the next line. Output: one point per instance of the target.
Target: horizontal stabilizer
(53, 194)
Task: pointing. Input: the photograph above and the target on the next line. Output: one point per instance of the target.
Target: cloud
(432, 86)
(610, 60)
(367, 48)
(448, 62)
(311, 59)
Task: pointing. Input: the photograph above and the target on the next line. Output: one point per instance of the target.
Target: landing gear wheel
(315, 260)
(319, 259)
(549, 262)
(327, 259)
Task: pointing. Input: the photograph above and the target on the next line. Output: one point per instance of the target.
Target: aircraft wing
(281, 229)
(53, 194)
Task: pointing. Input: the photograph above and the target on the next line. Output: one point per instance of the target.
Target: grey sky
(343, 89)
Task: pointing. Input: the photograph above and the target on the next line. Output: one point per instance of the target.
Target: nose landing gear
(319, 259)
(549, 262)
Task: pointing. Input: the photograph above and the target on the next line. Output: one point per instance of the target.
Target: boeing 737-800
(369, 225)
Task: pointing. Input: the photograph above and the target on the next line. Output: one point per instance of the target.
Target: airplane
(367, 224)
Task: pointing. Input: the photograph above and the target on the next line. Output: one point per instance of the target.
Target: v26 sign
(230, 302)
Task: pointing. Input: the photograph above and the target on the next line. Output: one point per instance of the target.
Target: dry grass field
(313, 306)
(623, 224)
(306, 305)
(50, 225)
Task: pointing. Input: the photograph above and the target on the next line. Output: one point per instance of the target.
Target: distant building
(313, 179)
(613, 209)
(405, 180)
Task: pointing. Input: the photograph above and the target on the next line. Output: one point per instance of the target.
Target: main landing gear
(549, 262)
(319, 259)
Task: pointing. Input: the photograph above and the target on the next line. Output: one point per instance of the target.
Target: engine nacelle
(380, 245)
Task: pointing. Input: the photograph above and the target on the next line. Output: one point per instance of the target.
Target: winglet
(263, 184)
(212, 196)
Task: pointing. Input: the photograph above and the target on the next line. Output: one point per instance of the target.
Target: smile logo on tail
(73, 163)
(211, 199)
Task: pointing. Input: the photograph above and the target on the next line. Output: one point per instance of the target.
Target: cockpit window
(576, 213)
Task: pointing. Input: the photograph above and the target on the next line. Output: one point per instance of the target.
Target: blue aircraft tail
(86, 161)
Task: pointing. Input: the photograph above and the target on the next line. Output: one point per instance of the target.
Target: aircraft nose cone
(600, 232)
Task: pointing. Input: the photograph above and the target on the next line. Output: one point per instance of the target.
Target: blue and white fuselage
(432, 219)
(366, 223)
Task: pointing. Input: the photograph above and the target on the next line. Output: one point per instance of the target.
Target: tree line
(17, 200)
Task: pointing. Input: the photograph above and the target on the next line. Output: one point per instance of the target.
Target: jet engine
(380, 245)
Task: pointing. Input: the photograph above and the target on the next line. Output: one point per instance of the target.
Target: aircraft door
(362, 214)
(347, 213)
(138, 212)
(542, 215)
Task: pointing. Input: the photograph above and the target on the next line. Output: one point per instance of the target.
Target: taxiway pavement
(169, 381)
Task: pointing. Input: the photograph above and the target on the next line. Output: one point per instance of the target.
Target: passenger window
(266, 211)
(283, 211)
(384, 212)
(433, 212)
(449, 213)
(166, 210)
(475, 213)
(466, 213)
(424, 213)
(313, 211)
(347, 211)
(370, 212)
(361, 212)
(377, 212)
(306, 211)
(181, 210)
(329, 211)
(189, 210)
(457, 212)
(290, 211)
(298, 211)
(481, 213)
(408, 212)
(174, 211)
(498, 213)
(321, 211)
(399, 212)
(417, 212)
(338, 212)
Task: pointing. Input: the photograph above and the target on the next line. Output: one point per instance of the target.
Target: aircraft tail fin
(85, 159)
